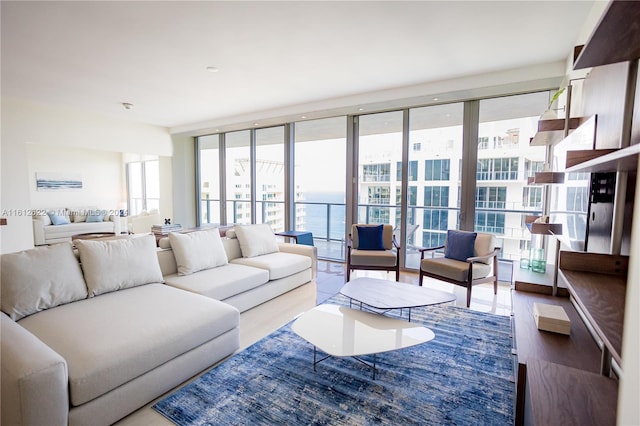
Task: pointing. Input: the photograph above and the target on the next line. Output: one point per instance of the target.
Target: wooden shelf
(603, 160)
(577, 350)
(552, 130)
(598, 284)
(615, 39)
(560, 395)
(542, 228)
(542, 178)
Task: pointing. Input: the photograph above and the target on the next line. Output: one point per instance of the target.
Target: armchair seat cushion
(373, 258)
(453, 269)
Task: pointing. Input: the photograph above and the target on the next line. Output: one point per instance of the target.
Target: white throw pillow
(256, 240)
(112, 265)
(198, 250)
(38, 279)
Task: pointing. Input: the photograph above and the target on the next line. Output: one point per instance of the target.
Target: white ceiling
(94, 55)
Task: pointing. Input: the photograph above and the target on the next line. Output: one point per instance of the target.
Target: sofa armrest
(34, 379)
(38, 232)
(304, 250)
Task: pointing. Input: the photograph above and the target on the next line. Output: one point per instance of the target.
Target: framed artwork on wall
(58, 181)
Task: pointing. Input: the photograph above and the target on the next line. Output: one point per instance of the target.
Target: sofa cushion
(454, 269)
(58, 219)
(370, 237)
(279, 264)
(460, 245)
(97, 216)
(112, 339)
(373, 258)
(221, 282)
(40, 278)
(256, 240)
(117, 264)
(195, 251)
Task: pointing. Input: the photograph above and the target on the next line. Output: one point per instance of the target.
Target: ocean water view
(323, 207)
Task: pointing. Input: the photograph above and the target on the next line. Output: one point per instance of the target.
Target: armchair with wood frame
(370, 247)
(468, 260)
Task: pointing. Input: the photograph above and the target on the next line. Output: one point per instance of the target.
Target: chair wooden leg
(348, 273)
(468, 295)
(397, 274)
(420, 279)
(495, 286)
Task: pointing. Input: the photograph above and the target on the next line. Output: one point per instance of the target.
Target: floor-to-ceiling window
(320, 183)
(143, 186)
(424, 170)
(435, 145)
(505, 161)
(209, 179)
(270, 177)
(238, 176)
(379, 153)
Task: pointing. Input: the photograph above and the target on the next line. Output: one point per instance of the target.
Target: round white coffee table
(344, 332)
(386, 295)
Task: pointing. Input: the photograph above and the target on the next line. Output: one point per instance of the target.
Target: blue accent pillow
(370, 237)
(95, 216)
(460, 245)
(58, 219)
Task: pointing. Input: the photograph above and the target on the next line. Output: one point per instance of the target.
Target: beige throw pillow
(195, 251)
(112, 265)
(38, 279)
(256, 240)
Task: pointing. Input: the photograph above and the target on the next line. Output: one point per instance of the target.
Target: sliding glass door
(209, 178)
(320, 183)
(270, 177)
(505, 161)
(435, 160)
(238, 176)
(379, 157)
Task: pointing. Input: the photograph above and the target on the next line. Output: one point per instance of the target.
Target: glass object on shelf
(525, 259)
(538, 261)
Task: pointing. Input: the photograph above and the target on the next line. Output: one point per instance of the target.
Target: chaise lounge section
(88, 343)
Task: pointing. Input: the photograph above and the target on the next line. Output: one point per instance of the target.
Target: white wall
(101, 171)
(184, 181)
(29, 127)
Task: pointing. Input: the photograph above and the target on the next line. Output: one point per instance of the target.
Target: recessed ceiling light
(213, 69)
(360, 109)
(436, 98)
(255, 124)
(303, 116)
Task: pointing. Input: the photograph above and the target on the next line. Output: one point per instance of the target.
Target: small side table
(300, 237)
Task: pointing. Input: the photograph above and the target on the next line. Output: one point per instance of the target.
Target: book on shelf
(165, 229)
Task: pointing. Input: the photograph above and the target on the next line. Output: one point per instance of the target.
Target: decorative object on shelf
(525, 259)
(166, 228)
(551, 318)
(538, 261)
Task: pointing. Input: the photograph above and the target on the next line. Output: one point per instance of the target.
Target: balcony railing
(326, 220)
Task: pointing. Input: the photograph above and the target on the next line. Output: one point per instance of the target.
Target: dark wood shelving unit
(615, 39)
(598, 284)
(563, 391)
(542, 228)
(551, 131)
(603, 160)
(543, 178)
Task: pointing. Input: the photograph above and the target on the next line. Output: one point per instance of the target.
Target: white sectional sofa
(80, 220)
(90, 337)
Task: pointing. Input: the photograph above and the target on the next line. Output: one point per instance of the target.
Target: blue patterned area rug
(462, 377)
